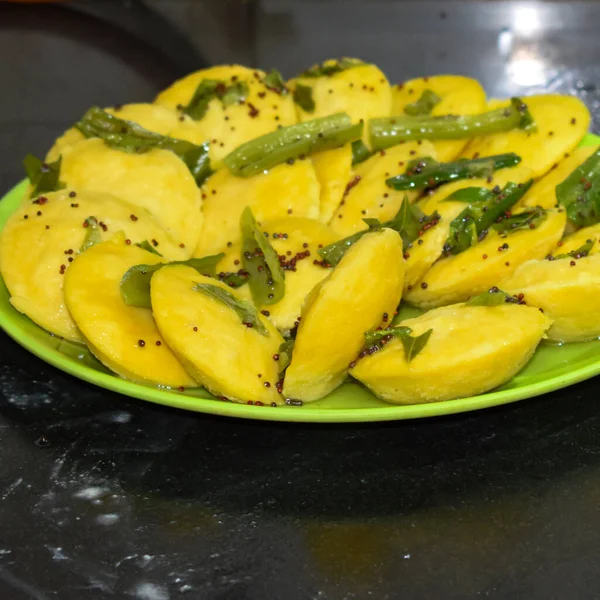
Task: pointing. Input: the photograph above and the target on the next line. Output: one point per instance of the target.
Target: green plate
(551, 368)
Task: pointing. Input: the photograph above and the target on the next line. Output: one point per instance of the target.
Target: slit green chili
(389, 131)
(292, 142)
(427, 172)
(579, 193)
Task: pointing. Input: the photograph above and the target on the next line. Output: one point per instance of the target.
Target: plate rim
(303, 414)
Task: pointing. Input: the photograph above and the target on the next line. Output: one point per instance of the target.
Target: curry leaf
(581, 252)
(528, 219)
(303, 97)
(44, 177)
(409, 222)
(424, 105)
(274, 81)
(474, 221)
(92, 233)
(209, 89)
(246, 312)
(470, 194)
(493, 297)
(330, 68)
(285, 354)
(135, 284)
(148, 247)
(360, 152)
(375, 336)
(266, 277)
(412, 344)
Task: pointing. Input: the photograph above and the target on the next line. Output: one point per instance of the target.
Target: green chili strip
(289, 143)
(475, 220)
(131, 137)
(579, 193)
(389, 131)
(266, 278)
(426, 172)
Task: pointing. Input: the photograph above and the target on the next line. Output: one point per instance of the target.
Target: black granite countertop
(107, 497)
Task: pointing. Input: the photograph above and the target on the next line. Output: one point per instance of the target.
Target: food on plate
(457, 277)
(42, 238)
(334, 170)
(285, 190)
(266, 239)
(427, 248)
(560, 123)
(157, 181)
(124, 338)
(367, 194)
(566, 289)
(345, 304)
(440, 95)
(296, 243)
(543, 191)
(231, 104)
(346, 85)
(585, 238)
(443, 194)
(469, 349)
(225, 343)
(152, 117)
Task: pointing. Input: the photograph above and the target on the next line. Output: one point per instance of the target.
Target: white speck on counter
(91, 493)
(57, 552)
(12, 487)
(108, 519)
(145, 560)
(150, 591)
(121, 417)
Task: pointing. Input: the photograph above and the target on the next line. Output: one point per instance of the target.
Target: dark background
(105, 497)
